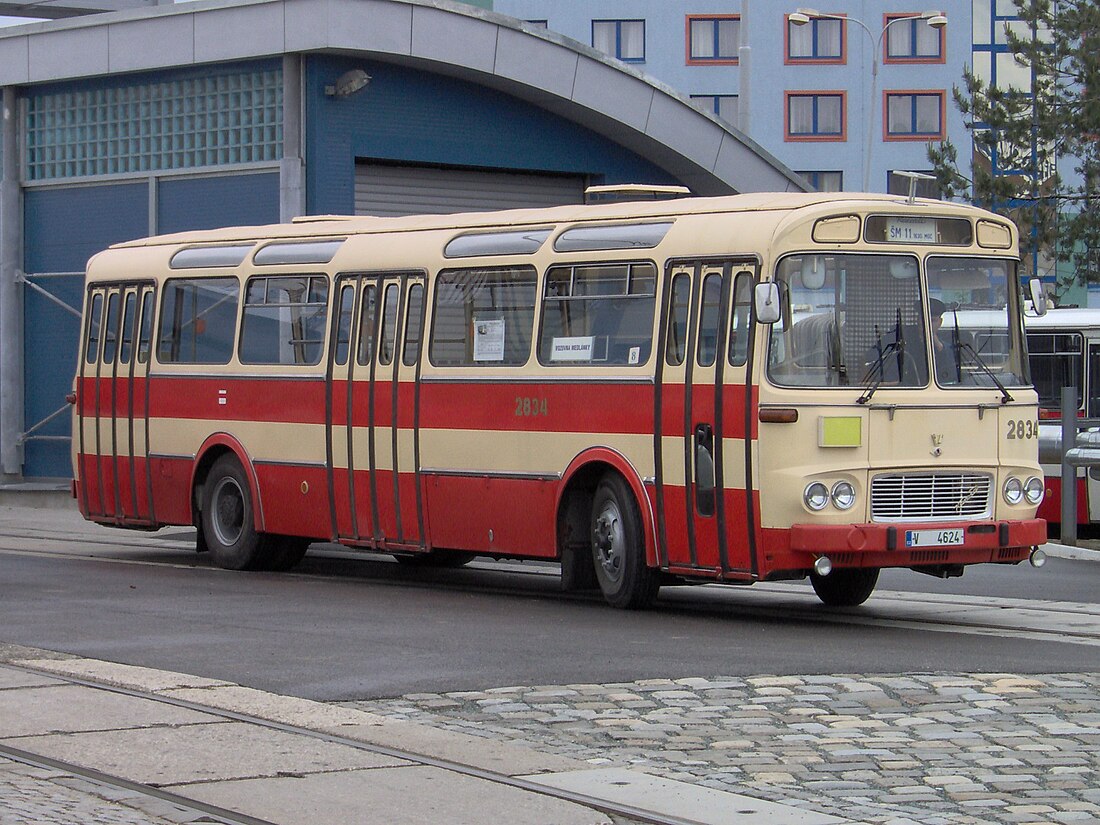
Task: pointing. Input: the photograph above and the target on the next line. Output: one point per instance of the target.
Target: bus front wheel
(227, 519)
(845, 588)
(618, 547)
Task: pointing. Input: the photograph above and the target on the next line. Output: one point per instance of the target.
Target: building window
(914, 115)
(922, 188)
(815, 116)
(724, 106)
(227, 118)
(819, 41)
(912, 40)
(825, 181)
(713, 39)
(624, 39)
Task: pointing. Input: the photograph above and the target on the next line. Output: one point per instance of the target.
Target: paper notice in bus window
(489, 339)
(574, 348)
(910, 230)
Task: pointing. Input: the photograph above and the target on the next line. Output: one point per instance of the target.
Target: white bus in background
(1064, 350)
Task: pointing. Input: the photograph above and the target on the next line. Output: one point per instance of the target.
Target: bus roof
(345, 225)
(1065, 318)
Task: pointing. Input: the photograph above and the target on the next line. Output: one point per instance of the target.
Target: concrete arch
(455, 39)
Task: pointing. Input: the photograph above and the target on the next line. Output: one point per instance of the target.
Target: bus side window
(601, 315)
(95, 318)
(110, 334)
(343, 323)
(709, 320)
(145, 334)
(198, 321)
(739, 319)
(414, 321)
(483, 317)
(284, 320)
(676, 346)
(128, 317)
(387, 341)
(367, 331)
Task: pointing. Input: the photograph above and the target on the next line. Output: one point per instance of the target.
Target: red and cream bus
(1064, 347)
(729, 389)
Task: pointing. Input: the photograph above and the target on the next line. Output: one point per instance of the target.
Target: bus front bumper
(911, 544)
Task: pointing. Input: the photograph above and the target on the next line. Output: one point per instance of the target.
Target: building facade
(845, 99)
(217, 112)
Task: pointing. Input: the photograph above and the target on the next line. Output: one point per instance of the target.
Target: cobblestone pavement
(914, 748)
(31, 795)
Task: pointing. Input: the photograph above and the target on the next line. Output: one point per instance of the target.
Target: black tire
(845, 588)
(436, 558)
(618, 547)
(284, 552)
(228, 524)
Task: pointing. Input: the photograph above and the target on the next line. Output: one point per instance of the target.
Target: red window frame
(923, 137)
(816, 138)
(816, 61)
(706, 61)
(886, 58)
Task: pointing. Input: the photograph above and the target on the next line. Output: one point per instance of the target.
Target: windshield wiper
(877, 371)
(964, 346)
(977, 359)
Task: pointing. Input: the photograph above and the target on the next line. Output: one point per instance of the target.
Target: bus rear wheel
(845, 588)
(618, 547)
(227, 518)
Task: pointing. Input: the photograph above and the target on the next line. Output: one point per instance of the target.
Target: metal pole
(875, 46)
(1069, 472)
(11, 294)
(744, 70)
(292, 192)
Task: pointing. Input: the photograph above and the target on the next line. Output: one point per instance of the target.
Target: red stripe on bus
(245, 399)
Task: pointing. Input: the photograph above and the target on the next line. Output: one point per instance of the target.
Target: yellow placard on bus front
(840, 431)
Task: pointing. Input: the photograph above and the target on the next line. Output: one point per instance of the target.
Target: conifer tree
(1036, 150)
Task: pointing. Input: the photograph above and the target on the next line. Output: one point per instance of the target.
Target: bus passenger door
(394, 412)
(701, 421)
(373, 441)
(114, 397)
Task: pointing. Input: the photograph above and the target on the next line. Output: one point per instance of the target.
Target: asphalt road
(346, 627)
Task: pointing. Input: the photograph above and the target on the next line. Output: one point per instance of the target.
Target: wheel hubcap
(227, 518)
(608, 541)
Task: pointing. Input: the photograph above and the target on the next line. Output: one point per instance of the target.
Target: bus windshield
(862, 320)
(849, 316)
(978, 339)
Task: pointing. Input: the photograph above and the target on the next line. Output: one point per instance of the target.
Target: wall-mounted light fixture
(348, 84)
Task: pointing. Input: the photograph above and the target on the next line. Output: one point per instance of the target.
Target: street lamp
(935, 19)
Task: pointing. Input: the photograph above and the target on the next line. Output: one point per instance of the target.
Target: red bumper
(884, 545)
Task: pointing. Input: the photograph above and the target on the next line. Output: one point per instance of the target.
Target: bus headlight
(816, 496)
(843, 495)
(1014, 491)
(1034, 489)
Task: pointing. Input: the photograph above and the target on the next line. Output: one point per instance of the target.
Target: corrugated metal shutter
(384, 189)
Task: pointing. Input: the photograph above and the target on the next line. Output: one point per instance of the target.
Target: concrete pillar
(292, 175)
(11, 292)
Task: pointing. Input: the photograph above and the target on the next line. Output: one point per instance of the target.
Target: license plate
(933, 538)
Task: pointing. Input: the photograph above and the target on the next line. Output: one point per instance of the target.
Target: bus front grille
(932, 496)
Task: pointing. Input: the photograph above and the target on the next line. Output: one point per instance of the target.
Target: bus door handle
(704, 469)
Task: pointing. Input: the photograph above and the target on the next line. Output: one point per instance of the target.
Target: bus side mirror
(1038, 298)
(766, 302)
